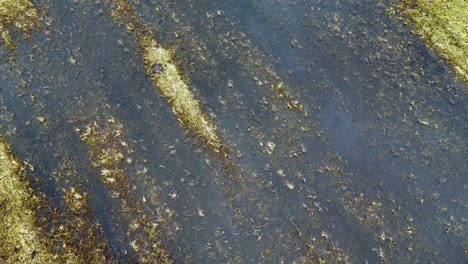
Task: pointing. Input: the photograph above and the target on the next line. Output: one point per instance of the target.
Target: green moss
(443, 25)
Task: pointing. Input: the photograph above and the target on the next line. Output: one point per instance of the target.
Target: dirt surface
(236, 132)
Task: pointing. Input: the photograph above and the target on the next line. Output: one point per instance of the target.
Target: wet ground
(347, 136)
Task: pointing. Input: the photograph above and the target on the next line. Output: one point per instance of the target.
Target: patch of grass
(183, 102)
(20, 240)
(162, 69)
(443, 24)
(108, 149)
(17, 15)
(25, 236)
(105, 150)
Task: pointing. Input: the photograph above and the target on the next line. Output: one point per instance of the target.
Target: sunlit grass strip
(183, 102)
(19, 236)
(17, 15)
(167, 78)
(22, 240)
(443, 24)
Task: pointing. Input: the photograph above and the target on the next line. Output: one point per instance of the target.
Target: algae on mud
(443, 24)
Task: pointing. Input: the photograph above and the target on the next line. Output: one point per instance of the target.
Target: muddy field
(267, 131)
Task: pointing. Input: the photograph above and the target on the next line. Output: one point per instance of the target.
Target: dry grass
(169, 80)
(19, 16)
(443, 24)
(183, 102)
(19, 237)
(108, 149)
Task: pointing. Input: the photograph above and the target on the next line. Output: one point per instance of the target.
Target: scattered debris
(270, 147)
